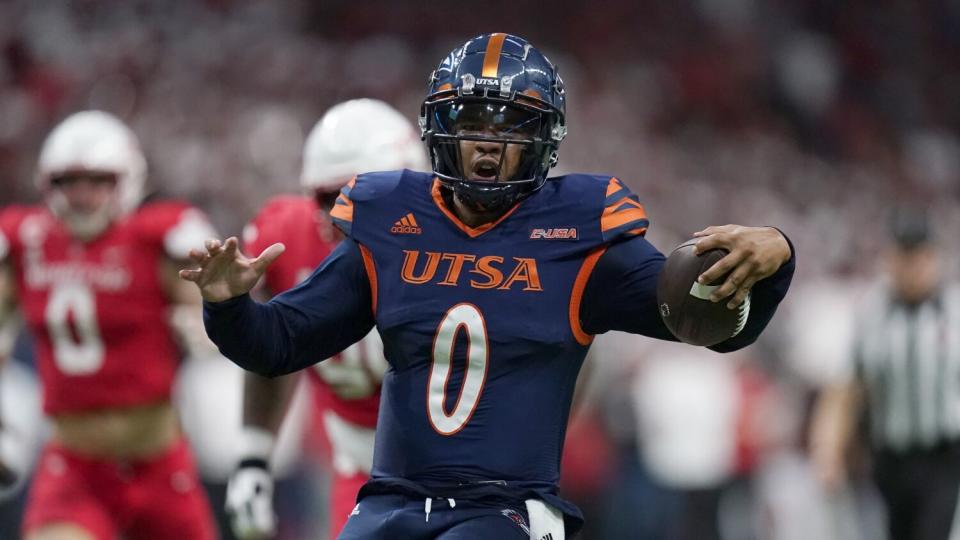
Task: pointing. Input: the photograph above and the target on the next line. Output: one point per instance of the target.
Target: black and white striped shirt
(908, 358)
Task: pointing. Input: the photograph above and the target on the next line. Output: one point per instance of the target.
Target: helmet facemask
(491, 152)
(84, 221)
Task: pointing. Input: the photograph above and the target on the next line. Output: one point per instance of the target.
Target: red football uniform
(160, 498)
(347, 386)
(97, 310)
(99, 317)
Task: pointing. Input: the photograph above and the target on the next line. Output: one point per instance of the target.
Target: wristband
(255, 463)
(256, 443)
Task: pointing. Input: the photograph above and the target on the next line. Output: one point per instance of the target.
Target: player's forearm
(328, 312)
(265, 401)
(265, 404)
(765, 297)
(251, 335)
(832, 430)
(9, 322)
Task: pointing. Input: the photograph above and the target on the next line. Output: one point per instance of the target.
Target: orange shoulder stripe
(342, 212)
(613, 219)
(613, 186)
(343, 207)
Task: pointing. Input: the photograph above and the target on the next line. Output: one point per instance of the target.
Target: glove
(250, 501)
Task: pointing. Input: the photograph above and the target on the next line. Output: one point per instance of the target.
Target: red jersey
(348, 383)
(97, 310)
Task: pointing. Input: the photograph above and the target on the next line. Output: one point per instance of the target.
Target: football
(685, 305)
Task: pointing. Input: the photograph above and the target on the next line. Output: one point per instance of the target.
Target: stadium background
(816, 116)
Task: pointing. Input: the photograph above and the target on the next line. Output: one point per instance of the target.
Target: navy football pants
(391, 517)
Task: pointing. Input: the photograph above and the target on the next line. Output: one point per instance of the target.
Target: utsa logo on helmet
(494, 89)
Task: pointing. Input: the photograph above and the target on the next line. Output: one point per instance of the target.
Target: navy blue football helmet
(496, 89)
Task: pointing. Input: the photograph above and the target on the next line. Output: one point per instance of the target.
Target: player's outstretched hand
(224, 272)
(754, 253)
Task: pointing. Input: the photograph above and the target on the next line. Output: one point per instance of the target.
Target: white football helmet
(358, 136)
(98, 142)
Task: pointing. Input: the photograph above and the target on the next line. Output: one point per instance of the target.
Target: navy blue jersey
(485, 328)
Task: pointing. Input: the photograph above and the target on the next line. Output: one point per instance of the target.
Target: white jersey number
(460, 317)
(72, 322)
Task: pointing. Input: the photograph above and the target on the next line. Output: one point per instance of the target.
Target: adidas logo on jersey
(406, 225)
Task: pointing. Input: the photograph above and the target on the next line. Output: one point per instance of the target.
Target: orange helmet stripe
(491, 58)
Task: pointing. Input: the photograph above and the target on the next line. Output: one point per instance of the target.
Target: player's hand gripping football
(225, 272)
(754, 253)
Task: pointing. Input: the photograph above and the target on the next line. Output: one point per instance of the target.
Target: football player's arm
(186, 310)
(249, 495)
(265, 403)
(9, 329)
(621, 294)
(833, 430)
(9, 321)
(176, 228)
(325, 314)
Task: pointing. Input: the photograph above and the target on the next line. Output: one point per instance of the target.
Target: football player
(487, 282)
(353, 137)
(94, 278)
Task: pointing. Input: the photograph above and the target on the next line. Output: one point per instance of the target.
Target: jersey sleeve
(328, 312)
(362, 192)
(176, 227)
(342, 211)
(621, 294)
(623, 216)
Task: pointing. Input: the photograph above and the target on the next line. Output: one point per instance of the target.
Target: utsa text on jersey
(491, 268)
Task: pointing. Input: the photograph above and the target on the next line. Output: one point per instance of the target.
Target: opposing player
(94, 274)
(354, 137)
(487, 282)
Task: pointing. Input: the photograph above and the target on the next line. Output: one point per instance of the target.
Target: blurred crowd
(816, 116)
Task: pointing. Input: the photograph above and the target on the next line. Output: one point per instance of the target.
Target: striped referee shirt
(908, 358)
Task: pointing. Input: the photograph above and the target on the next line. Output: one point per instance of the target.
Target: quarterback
(487, 282)
(94, 274)
(353, 137)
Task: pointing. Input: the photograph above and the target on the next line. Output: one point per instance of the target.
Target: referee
(906, 385)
